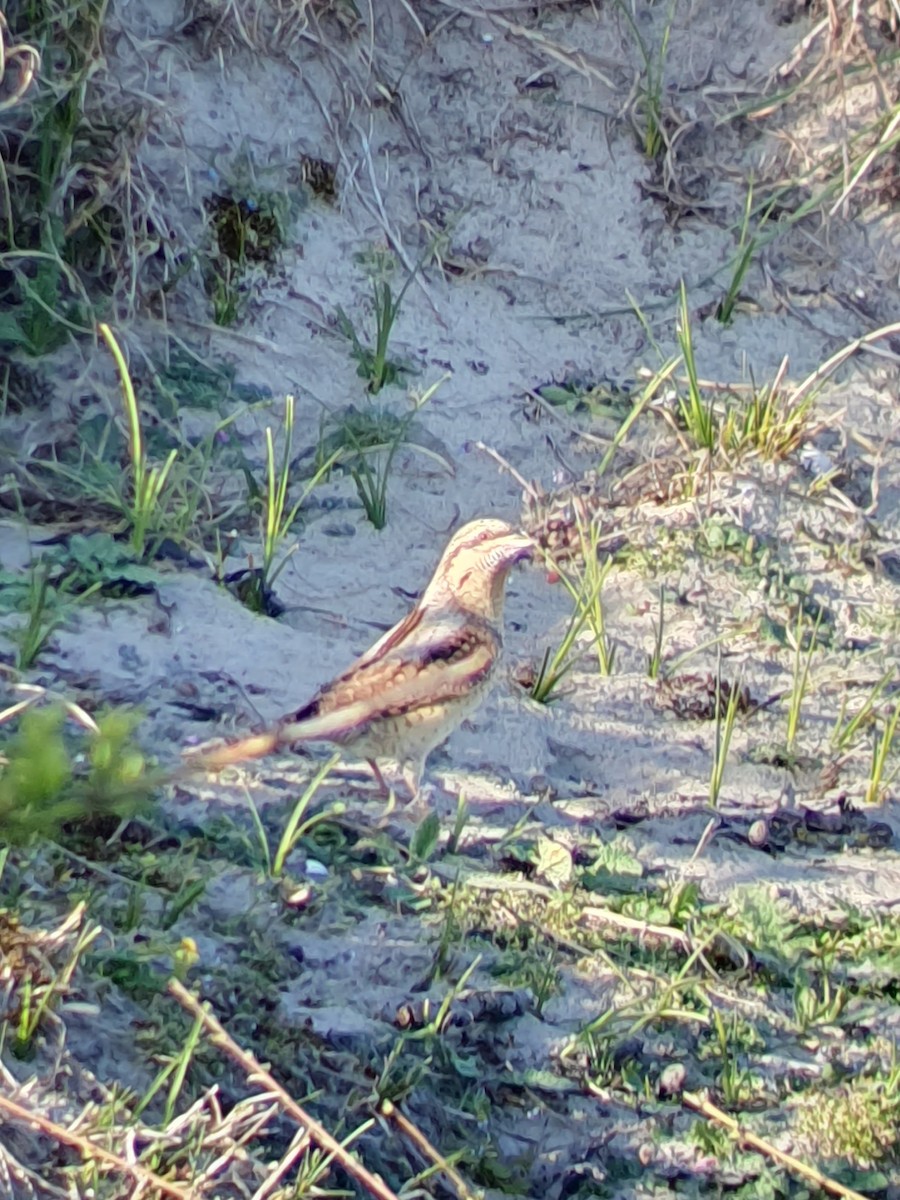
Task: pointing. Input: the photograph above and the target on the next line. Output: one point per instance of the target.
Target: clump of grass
(646, 111)
(298, 824)
(802, 662)
(45, 610)
(373, 363)
(143, 503)
(585, 587)
(277, 517)
(365, 443)
(880, 777)
(772, 423)
(847, 729)
(725, 719)
(80, 218)
(42, 963)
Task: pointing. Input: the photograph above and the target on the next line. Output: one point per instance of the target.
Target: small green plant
(748, 244)
(43, 785)
(144, 506)
(654, 660)
(857, 1123)
(277, 518)
(772, 423)
(647, 113)
(556, 664)
(735, 1080)
(367, 442)
(697, 415)
(585, 586)
(425, 839)
(879, 777)
(226, 288)
(460, 822)
(847, 729)
(298, 825)
(372, 482)
(174, 1074)
(41, 622)
(817, 1002)
(40, 988)
(800, 675)
(373, 363)
(725, 722)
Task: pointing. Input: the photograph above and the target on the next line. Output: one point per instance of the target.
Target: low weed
(46, 785)
(856, 1123)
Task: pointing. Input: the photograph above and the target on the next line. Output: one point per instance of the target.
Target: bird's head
(475, 564)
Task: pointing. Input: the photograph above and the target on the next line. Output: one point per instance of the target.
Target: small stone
(671, 1081)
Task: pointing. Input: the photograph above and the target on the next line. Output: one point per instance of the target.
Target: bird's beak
(524, 546)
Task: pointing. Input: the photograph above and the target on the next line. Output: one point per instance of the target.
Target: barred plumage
(406, 694)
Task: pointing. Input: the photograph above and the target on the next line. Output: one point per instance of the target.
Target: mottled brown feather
(390, 686)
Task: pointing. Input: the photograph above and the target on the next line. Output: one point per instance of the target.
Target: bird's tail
(256, 746)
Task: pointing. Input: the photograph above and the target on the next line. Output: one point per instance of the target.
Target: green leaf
(425, 839)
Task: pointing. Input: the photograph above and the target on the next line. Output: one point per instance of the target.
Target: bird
(418, 682)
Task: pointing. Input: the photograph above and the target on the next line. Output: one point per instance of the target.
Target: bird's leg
(376, 771)
(412, 777)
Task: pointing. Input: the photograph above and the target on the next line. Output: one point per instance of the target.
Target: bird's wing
(402, 680)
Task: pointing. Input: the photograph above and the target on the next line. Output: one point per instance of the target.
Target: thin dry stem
(256, 1072)
(755, 1142)
(142, 1176)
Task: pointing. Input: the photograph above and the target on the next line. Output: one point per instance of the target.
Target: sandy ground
(557, 218)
